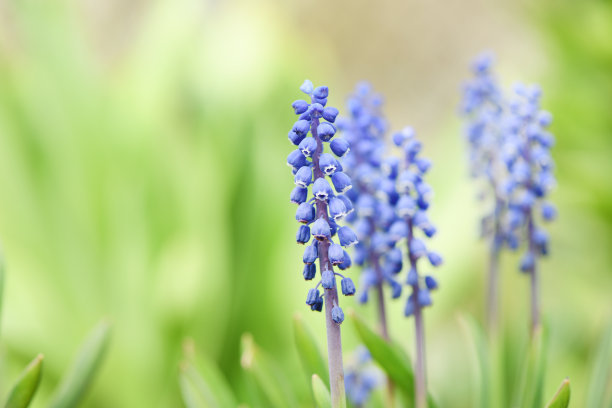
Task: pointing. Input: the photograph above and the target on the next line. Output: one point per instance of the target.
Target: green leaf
(22, 393)
(321, 393)
(202, 384)
(1, 283)
(79, 377)
(265, 375)
(532, 380)
(389, 356)
(478, 339)
(562, 397)
(601, 372)
(310, 355)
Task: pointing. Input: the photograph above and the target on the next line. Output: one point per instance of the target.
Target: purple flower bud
(310, 254)
(348, 287)
(347, 237)
(321, 92)
(398, 230)
(413, 277)
(310, 271)
(347, 203)
(318, 306)
(316, 109)
(307, 87)
(346, 263)
(409, 309)
(329, 114)
(321, 189)
(417, 248)
(396, 289)
(405, 206)
(431, 283)
(341, 182)
(303, 234)
(424, 298)
(305, 213)
(301, 127)
(339, 146)
(295, 138)
(549, 212)
(337, 314)
(423, 165)
(326, 131)
(434, 259)
(336, 254)
(328, 280)
(312, 296)
(300, 106)
(320, 229)
(299, 195)
(527, 262)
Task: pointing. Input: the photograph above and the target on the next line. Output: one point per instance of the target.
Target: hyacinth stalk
(310, 162)
(483, 109)
(411, 207)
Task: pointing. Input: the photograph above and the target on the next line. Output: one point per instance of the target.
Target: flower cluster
(483, 107)
(373, 193)
(361, 377)
(319, 213)
(411, 208)
(530, 166)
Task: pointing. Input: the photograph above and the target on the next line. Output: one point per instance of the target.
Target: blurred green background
(143, 176)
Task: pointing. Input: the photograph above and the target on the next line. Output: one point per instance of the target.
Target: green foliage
(24, 389)
(321, 393)
(312, 359)
(562, 398)
(391, 358)
(201, 383)
(602, 370)
(78, 378)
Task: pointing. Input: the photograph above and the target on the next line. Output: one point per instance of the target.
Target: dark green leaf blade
(24, 389)
(81, 374)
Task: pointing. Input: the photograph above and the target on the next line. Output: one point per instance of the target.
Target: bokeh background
(143, 176)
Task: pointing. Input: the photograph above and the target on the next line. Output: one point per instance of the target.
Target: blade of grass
(24, 389)
(321, 393)
(561, 398)
(601, 372)
(310, 355)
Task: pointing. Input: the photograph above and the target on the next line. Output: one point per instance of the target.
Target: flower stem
(420, 383)
(535, 281)
(334, 338)
(493, 286)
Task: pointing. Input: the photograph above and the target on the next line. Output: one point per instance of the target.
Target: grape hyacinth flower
(412, 205)
(483, 109)
(374, 195)
(314, 168)
(530, 166)
(362, 377)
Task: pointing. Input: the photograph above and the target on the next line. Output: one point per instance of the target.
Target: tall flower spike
(530, 166)
(373, 191)
(484, 111)
(310, 166)
(412, 205)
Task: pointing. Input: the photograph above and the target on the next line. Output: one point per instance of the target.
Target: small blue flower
(339, 146)
(348, 287)
(347, 237)
(299, 195)
(310, 254)
(328, 164)
(300, 106)
(405, 207)
(413, 277)
(341, 182)
(303, 234)
(313, 295)
(301, 127)
(434, 259)
(326, 131)
(307, 87)
(330, 113)
(321, 189)
(409, 308)
(337, 314)
(318, 306)
(346, 263)
(308, 146)
(295, 138)
(328, 281)
(431, 283)
(417, 248)
(321, 92)
(310, 271)
(296, 159)
(337, 208)
(305, 213)
(396, 289)
(336, 254)
(303, 177)
(424, 298)
(320, 229)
